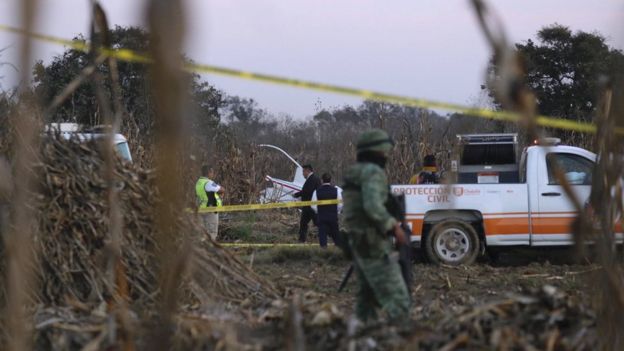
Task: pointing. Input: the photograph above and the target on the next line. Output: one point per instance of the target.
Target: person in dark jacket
(429, 174)
(327, 215)
(307, 214)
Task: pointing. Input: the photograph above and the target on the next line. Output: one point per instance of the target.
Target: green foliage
(312, 255)
(242, 230)
(566, 70)
(242, 233)
(6, 105)
(237, 109)
(82, 106)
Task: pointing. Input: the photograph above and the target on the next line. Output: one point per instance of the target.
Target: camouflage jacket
(366, 218)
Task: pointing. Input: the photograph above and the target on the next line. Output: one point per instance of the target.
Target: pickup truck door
(550, 224)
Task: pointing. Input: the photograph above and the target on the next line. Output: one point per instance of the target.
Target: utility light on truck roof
(547, 141)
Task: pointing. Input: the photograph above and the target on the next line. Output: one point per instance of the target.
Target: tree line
(564, 68)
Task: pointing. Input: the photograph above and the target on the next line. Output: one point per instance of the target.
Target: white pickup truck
(454, 223)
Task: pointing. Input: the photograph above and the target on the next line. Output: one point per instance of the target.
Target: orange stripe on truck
(506, 225)
(552, 225)
(515, 225)
(417, 225)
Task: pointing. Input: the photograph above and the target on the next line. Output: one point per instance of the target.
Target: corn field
(98, 253)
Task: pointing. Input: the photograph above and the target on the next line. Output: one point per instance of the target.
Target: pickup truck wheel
(452, 243)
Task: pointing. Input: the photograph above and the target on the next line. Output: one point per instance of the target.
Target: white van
(73, 130)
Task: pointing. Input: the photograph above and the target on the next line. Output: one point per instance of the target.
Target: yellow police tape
(245, 245)
(131, 56)
(256, 207)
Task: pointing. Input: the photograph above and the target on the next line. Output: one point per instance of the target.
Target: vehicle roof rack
(501, 138)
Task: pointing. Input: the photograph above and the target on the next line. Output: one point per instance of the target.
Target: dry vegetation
(98, 254)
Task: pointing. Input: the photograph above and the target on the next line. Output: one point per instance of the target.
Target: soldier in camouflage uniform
(368, 222)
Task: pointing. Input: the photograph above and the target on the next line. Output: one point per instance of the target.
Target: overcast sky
(422, 48)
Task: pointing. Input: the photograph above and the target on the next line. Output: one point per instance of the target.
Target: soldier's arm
(374, 194)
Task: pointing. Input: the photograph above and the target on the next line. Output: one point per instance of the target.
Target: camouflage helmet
(375, 140)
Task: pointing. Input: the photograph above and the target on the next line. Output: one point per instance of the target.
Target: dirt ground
(439, 294)
(253, 295)
(525, 299)
(449, 287)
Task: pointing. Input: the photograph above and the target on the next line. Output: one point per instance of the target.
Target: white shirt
(212, 187)
(338, 197)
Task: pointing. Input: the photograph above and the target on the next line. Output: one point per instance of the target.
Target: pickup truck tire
(452, 242)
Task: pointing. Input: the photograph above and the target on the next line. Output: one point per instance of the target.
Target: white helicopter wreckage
(282, 190)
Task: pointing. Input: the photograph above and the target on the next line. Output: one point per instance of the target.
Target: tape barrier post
(131, 56)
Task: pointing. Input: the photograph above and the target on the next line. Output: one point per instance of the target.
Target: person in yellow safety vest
(208, 195)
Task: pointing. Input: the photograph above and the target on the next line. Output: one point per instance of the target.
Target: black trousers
(328, 228)
(307, 215)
